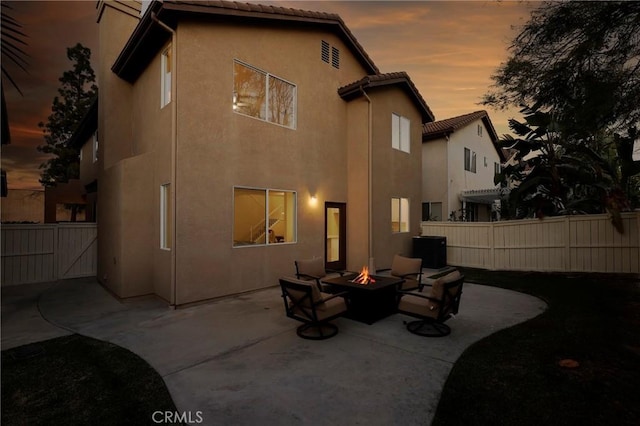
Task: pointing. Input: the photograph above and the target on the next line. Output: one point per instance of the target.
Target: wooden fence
(40, 253)
(587, 243)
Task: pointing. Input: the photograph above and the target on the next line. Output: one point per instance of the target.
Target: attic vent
(335, 57)
(325, 51)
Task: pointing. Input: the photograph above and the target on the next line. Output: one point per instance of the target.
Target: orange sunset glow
(449, 49)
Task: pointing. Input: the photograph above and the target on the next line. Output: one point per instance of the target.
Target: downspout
(372, 268)
(174, 151)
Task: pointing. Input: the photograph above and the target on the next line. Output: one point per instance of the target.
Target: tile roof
(147, 36)
(438, 129)
(352, 90)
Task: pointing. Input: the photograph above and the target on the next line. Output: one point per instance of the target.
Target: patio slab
(238, 360)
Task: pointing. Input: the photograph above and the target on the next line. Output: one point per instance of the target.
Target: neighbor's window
(165, 217)
(496, 168)
(400, 215)
(400, 132)
(479, 130)
(469, 160)
(261, 95)
(165, 82)
(432, 211)
(263, 216)
(95, 146)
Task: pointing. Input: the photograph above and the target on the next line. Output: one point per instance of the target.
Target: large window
(261, 95)
(469, 160)
(263, 216)
(95, 146)
(165, 82)
(400, 215)
(400, 133)
(166, 236)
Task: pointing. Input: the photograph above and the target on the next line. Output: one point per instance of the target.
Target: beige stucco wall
(435, 172)
(219, 149)
(395, 174)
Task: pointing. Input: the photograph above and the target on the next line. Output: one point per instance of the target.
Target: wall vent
(335, 57)
(325, 51)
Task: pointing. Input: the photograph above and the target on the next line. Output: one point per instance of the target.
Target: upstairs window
(400, 133)
(496, 168)
(469, 160)
(480, 130)
(165, 217)
(165, 83)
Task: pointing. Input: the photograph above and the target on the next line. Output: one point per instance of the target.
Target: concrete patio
(238, 360)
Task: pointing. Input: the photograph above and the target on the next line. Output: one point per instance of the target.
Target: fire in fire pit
(364, 277)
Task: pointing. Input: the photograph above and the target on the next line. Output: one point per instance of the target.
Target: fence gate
(40, 253)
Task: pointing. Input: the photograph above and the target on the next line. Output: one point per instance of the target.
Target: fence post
(492, 245)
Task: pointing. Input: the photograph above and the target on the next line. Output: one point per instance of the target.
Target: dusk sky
(449, 49)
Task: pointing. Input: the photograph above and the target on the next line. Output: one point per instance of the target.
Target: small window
(399, 215)
(95, 146)
(263, 217)
(335, 57)
(400, 133)
(480, 130)
(165, 217)
(469, 160)
(324, 52)
(496, 168)
(165, 95)
(485, 161)
(432, 211)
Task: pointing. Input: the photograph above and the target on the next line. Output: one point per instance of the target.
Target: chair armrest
(335, 271)
(422, 296)
(333, 296)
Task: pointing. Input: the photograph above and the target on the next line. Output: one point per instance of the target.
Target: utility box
(432, 250)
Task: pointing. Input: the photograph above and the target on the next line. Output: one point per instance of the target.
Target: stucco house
(236, 138)
(460, 157)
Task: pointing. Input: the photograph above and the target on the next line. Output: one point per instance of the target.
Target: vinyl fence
(40, 253)
(587, 243)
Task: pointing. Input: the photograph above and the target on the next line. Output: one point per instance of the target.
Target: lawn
(76, 380)
(515, 376)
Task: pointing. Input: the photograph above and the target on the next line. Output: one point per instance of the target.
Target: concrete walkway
(238, 360)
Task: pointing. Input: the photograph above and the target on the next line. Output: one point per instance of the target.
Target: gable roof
(442, 128)
(148, 37)
(354, 90)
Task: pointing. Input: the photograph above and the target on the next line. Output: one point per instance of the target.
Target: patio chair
(410, 269)
(304, 302)
(313, 269)
(433, 309)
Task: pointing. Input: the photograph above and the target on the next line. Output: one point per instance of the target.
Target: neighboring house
(85, 139)
(460, 158)
(236, 138)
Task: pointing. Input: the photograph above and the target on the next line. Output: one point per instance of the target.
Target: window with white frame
(496, 168)
(165, 77)
(400, 133)
(480, 130)
(263, 216)
(469, 160)
(261, 95)
(166, 236)
(399, 215)
(95, 146)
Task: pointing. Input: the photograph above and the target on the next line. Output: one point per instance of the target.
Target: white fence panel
(587, 243)
(40, 253)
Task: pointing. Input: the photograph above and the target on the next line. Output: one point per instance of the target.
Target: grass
(76, 380)
(514, 376)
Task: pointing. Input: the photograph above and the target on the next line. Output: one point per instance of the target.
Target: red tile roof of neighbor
(441, 128)
(353, 90)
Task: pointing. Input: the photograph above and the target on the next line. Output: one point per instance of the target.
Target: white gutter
(174, 151)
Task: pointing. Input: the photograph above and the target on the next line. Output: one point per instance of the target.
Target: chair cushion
(316, 295)
(330, 308)
(405, 265)
(437, 289)
(313, 267)
(417, 305)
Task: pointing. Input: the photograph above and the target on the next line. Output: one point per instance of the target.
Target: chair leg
(428, 328)
(317, 331)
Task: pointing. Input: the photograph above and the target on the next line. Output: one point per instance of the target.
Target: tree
(76, 93)
(550, 177)
(579, 59)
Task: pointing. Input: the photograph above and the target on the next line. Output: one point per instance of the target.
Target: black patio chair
(305, 303)
(434, 308)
